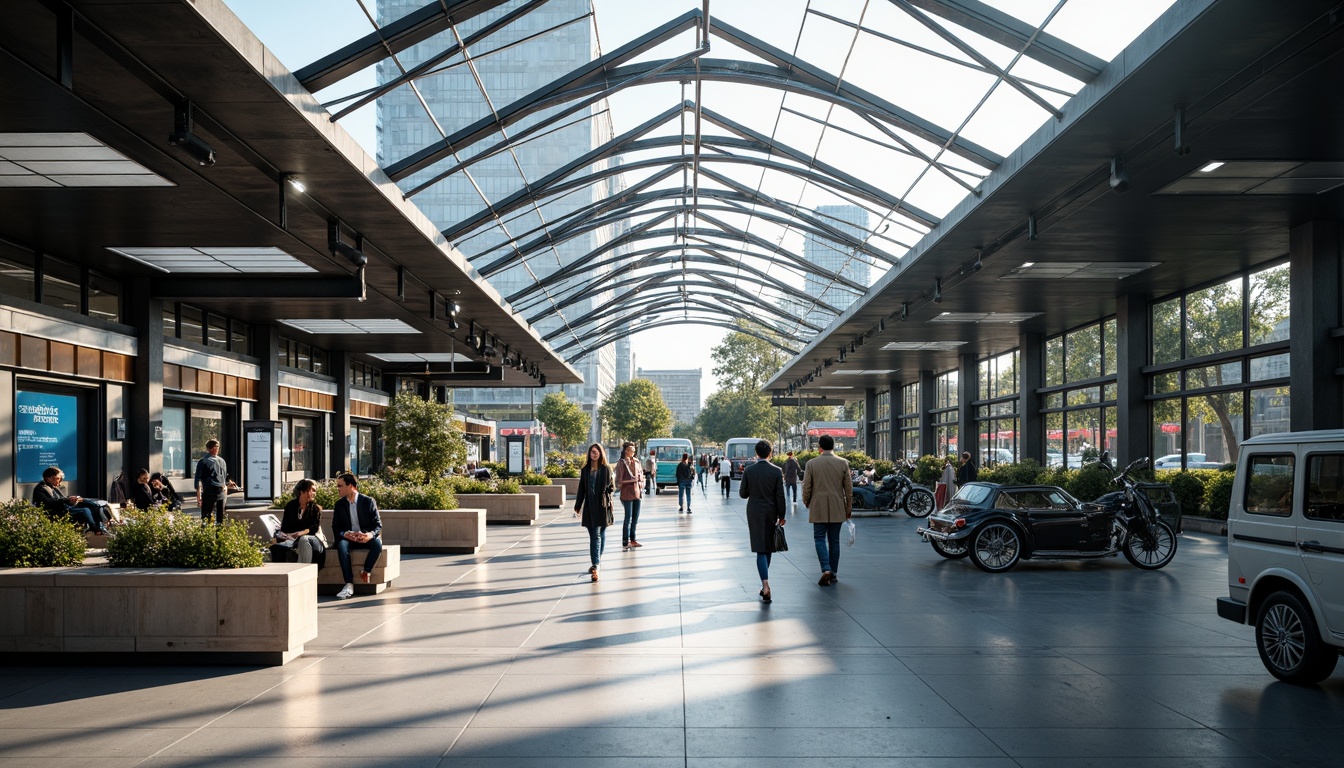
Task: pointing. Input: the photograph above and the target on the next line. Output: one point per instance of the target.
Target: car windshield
(973, 494)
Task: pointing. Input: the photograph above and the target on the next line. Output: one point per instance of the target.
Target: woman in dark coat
(300, 536)
(763, 488)
(142, 496)
(593, 502)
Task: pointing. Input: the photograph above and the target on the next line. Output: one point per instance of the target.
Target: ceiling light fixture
(905, 309)
(353, 253)
(295, 183)
(1212, 166)
(184, 123)
(938, 291)
(1119, 178)
(472, 339)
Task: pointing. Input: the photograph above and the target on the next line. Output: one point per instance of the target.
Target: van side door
(1320, 534)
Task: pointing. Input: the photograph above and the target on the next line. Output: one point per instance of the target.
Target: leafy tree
(690, 432)
(635, 411)
(420, 437)
(564, 418)
(729, 413)
(744, 363)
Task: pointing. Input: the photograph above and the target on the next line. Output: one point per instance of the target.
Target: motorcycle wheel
(1140, 555)
(919, 502)
(952, 550)
(857, 502)
(995, 547)
(1289, 643)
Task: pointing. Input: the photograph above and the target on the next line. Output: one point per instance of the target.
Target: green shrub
(153, 538)
(558, 470)
(532, 478)
(1090, 482)
(463, 484)
(1218, 494)
(422, 495)
(507, 485)
(29, 538)
(1189, 490)
(858, 460)
(929, 469)
(497, 468)
(883, 467)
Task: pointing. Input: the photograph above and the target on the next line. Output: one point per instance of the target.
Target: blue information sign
(46, 434)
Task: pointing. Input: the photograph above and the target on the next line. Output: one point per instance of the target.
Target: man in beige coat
(828, 496)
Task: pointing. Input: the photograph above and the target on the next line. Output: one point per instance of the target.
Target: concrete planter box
(570, 484)
(330, 580)
(172, 615)
(549, 496)
(451, 531)
(509, 508)
(1203, 525)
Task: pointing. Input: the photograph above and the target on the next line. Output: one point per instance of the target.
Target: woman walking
(593, 502)
(630, 481)
(763, 488)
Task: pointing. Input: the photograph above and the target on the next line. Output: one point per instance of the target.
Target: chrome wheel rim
(997, 546)
(1283, 637)
(919, 504)
(951, 547)
(1160, 551)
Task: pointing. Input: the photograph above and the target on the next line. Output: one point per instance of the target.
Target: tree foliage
(728, 413)
(564, 418)
(420, 436)
(744, 363)
(635, 411)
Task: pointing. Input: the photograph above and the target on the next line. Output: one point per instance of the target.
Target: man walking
(828, 496)
(791, 471)
(212, 483)
(685, 480)
(356, 523)
(650, 473)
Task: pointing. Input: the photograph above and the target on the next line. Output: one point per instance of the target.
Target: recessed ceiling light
(215, 260)
(1211, 167)
(421, 357)
(865, 373)
(1078, 270)
(69, 160)
(830, 387)
(983, 317)
(324, 326)
(922, 346)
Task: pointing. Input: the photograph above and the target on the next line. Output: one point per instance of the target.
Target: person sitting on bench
(356, 523)
(93, 514)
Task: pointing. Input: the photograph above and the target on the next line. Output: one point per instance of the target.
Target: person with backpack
(685, 480)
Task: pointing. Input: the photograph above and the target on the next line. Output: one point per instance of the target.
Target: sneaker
(678, 509)
(635, 544)
(348, 591)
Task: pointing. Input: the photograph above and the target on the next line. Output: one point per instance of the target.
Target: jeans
(597, 541)
(630, 521)
(763, 565)
(824, 534)
(791, 488)
(97, 510)
(81, 515)
(700, 477)
(648, 482)
(343, 547)
(684, 489)
(727, 483)
(213, 504)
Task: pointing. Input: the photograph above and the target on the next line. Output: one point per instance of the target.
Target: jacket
(629, 479)
(791, 470)
(52, 499)
(596, 512)
(763, 488)
(685, 472)
(212, 475)
(310, 520)
(365, 507)
(827, 489)
(650, 466)
(967, 473)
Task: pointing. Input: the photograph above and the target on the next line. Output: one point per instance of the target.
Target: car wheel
(919, 502)
(1289, 643)
(1140, 555)
(995, 547)
(952, 550)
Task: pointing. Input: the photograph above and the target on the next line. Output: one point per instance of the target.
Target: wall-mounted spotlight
(976, 267)
(488, 347)
(184, 123)
(881, 325)
(905, 309)
(938, 291)
(453, 309)
(472, 339)
(842, 354)
(1119, 178)
(295, 183)
(353, 253)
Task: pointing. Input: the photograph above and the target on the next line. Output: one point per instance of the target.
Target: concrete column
(144, 399)
(1030, 377)
(266, 343)
(925, 420)
(1132, 321)
(1314, 295)
(894, 423)
(339, 446)
(968, 429)
(869, 407)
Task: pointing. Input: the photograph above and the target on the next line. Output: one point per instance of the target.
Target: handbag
(781, 543)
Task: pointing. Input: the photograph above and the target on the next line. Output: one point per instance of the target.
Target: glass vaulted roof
(619, 166)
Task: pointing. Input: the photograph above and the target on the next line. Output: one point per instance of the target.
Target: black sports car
(997, 525)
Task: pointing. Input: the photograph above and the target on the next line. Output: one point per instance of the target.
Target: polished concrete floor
(513, 658)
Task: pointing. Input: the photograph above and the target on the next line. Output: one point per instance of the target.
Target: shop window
(60, 285)
(240, 337)
(170, 321)
(104, 298)
(217, 332)
(175, 441)
(191, 324)
(1269, 310)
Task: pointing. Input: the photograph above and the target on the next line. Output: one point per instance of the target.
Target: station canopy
(729, 133)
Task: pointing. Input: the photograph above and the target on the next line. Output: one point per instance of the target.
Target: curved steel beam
(682, 306)
(710, 321)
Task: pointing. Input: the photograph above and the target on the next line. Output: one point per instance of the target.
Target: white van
(1285, 551)
(740, 451)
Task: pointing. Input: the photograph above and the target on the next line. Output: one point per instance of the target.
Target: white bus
(739, 451)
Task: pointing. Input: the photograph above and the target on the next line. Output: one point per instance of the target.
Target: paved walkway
(513, 658)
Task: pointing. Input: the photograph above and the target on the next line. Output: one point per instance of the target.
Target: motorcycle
(1147, 541)
(895, 491)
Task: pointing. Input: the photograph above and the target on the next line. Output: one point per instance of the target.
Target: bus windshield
(670, 452)
(742, 450)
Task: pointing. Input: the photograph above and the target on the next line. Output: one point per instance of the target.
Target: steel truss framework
(679, 256)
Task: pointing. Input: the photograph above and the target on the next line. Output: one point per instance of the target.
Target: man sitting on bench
(356, 523)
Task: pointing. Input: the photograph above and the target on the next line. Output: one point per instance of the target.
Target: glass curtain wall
(996, 409)
(909, 416)
(881, 422)
(1078, 400)
(945, 413)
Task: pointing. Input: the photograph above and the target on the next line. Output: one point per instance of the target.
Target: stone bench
(548, 496)
(508, 508)
(450, 531)
(164, 615)
(330, 580)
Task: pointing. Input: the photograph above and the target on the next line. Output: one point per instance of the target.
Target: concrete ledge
(330, 580)
(221, 616)
(1203, 525)
(508, 508)
(570, 484)
(548, 496)
(446, 531)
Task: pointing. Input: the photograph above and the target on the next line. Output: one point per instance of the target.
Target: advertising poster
(46, 428)
(260, 469)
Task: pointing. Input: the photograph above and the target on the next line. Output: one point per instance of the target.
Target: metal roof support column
(1030, 377)
(143, 403)
(338, 446)
(1313, 290)
(869, 429)
(1133, 422)
(926, 392)
(968, 428)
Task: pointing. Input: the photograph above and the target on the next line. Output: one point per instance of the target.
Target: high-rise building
(511, 64)
(681, 391)
(836, 257)
(625, 360)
